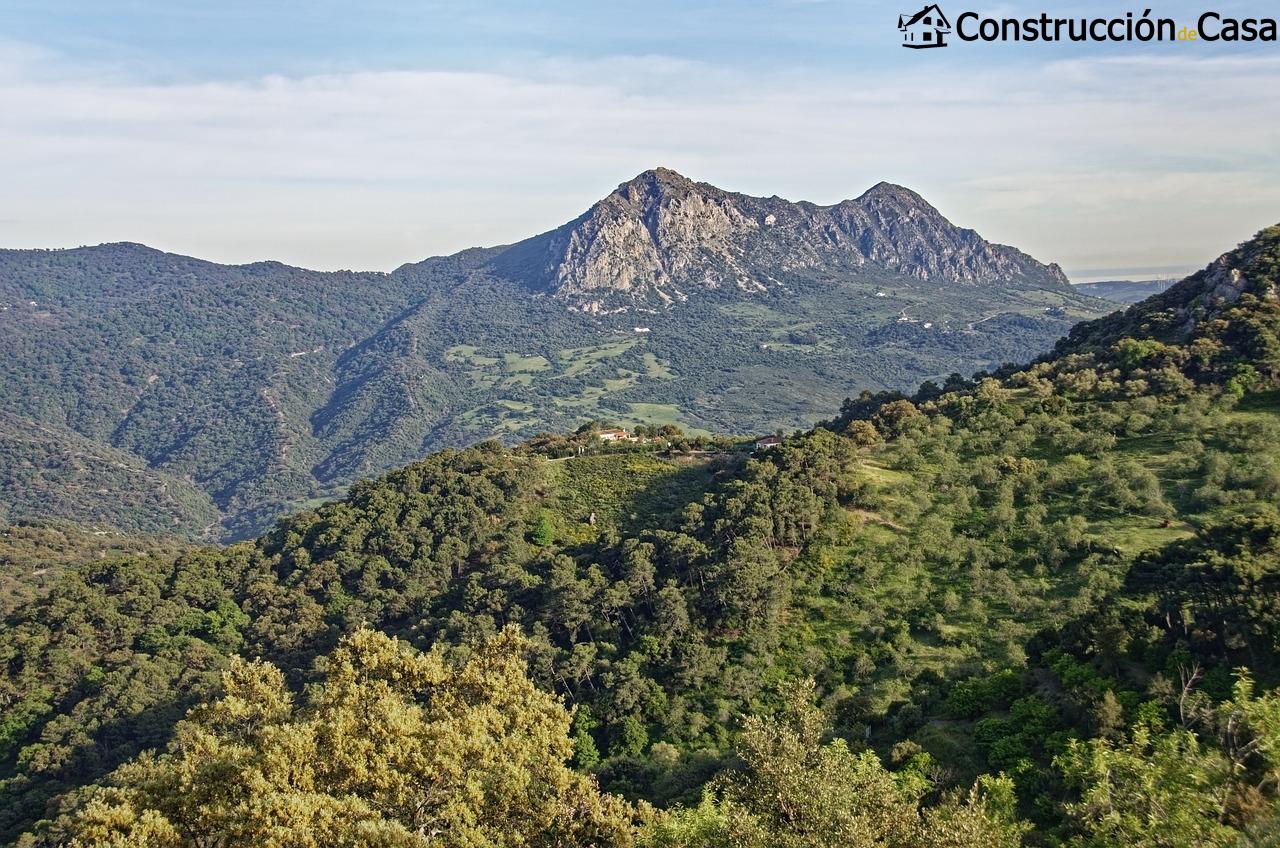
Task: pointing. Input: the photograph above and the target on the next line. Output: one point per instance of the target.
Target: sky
(366, 135)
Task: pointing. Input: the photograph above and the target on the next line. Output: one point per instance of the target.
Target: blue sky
(366, 135)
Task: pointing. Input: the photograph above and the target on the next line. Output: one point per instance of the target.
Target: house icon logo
(926, 28)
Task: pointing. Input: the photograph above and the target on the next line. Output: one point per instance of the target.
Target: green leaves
(1199, 785)
(396, 748)
(796, 792)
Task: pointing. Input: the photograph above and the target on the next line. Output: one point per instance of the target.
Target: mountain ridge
(667, 301)
(880, 211)
(1036, 575)
(661, 235)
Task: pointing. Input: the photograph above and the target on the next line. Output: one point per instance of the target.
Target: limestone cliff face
(656, 235)
(661, 238)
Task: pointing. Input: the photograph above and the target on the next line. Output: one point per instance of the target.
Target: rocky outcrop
(661, 237)
(1182, 311)
(1203, 295)
(1223, 282)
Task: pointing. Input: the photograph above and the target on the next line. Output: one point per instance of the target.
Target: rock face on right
(1234, 287)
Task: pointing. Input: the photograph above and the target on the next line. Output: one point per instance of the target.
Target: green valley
(1037, 607)
(175, 395)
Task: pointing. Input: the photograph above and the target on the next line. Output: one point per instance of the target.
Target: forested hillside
(33, 555)
(1038, 607)
(158, 393)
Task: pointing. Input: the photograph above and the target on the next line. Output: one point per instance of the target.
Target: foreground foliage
(793, 790)
(397, 748)
(394, 748)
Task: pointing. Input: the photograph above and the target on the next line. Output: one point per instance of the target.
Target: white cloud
(1099, 162)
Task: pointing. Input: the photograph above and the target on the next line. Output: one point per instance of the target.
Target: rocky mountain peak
(660, 238)
(889, 204)
(656, 181)
(892, 193)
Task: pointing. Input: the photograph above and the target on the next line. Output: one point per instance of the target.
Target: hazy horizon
(1075, 275)
(366, 139)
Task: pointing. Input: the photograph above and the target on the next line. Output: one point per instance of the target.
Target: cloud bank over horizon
(1093, 161)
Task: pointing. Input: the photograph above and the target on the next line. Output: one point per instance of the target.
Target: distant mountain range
(662, 237)
(1125, 291)
(155, 392)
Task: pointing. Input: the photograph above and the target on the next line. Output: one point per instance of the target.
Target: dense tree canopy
(393, 748)
(1025, 601)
